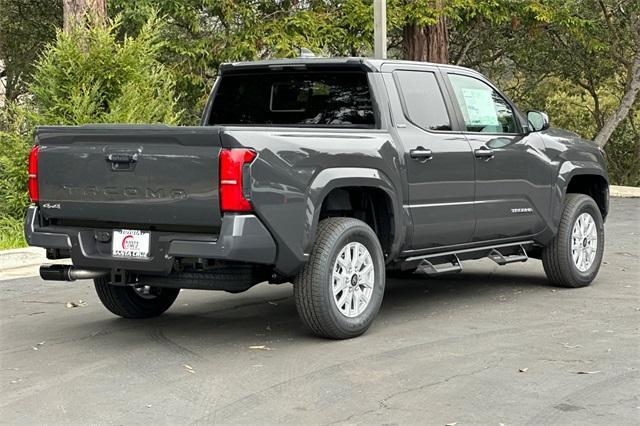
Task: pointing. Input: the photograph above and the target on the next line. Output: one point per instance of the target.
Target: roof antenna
(306, 53)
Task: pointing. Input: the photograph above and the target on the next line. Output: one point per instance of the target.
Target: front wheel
(135, 302)
(573, 257)
(339, 291)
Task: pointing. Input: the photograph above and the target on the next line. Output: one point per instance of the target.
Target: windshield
(313, 99)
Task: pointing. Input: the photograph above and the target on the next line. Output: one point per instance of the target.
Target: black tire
(126, 302)
(313, 284)
(557, 258)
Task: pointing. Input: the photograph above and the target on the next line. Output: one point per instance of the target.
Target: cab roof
(353, 63)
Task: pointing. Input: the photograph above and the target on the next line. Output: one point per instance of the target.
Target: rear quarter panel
(296, 168)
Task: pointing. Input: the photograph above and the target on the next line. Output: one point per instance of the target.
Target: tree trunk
(427, 43)
(76, 11)
(629, 98)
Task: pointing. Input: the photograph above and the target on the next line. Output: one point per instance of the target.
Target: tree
(594, 46)
(426, 38)
(104, 80)
(25, 27)
(76, 11)
(201, 34)
(632, 84)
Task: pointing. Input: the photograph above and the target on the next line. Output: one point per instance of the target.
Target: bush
(13, 175)
(13, 163)
(11, 233)
(88, 76)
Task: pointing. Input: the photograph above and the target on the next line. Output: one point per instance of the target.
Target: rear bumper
(242, 238)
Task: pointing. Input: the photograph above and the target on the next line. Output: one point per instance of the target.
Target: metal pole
(380, 29)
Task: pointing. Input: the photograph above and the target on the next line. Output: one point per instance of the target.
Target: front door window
(484, 109)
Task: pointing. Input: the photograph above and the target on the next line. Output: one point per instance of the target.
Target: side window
(483, 108)
(423, 102)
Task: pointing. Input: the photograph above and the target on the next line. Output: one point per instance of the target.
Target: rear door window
(422, 100)
(341, 99)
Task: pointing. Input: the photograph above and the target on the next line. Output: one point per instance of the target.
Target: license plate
(130, 243)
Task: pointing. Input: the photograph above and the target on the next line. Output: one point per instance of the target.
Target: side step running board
(500, 259)
(451, 261)
(427, 267)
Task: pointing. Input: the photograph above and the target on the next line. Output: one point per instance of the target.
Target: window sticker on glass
(483, 108)
(480, 107)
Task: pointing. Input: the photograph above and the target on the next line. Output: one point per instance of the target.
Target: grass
(11, 234)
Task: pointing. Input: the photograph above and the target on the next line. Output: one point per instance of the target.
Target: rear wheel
(339, 291)
(135, 302)
(573, 257)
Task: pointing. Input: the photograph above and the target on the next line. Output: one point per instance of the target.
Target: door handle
(421, 153)
(484, 153)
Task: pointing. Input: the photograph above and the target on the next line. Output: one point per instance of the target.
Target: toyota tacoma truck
(326, 173)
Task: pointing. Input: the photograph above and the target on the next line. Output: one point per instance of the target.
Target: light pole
(380, 29)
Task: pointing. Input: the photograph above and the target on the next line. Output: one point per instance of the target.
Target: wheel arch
(333, 191)
(595, 186)
(583, 177)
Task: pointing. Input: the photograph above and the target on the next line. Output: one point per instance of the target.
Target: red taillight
(33, 174)
(232, 162)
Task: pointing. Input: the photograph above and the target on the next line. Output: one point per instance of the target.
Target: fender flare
(567, 171)
(338, 177)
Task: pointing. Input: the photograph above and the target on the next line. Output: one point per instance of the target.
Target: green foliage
(13, 163)
(89, 76)
(25, 27)
(13, 176)
(623, 153)
(11, 233)
(201, 34)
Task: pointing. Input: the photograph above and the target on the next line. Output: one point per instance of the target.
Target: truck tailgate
(130, 174)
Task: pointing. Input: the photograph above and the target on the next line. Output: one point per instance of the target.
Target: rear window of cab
(302, 99)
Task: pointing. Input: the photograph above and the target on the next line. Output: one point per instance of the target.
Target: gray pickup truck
(328, 173)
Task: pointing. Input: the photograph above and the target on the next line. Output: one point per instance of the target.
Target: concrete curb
(23, 262)
(624, 191)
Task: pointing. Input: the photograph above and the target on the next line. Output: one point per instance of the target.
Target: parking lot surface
(491, 345)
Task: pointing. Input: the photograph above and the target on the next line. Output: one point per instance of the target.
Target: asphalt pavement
(492, 345)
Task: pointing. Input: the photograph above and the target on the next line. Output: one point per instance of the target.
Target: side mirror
(538, 121)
